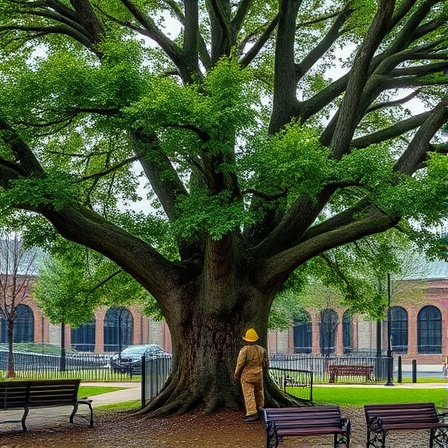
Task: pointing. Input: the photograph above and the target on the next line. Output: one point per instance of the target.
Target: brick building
(110, 329)
(418, 327)
(418, 319)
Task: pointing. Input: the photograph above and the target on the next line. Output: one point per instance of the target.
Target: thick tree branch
(422, 70)
(152, 31)
(191, 35)
(111, 169)
(419, 146)
(325, 44)
(241, 13)
(29, 164)
(160, 172)
(393, 103)
(259, 44)
(80, 24)
(379, 71)
(348, 115)
(285, 102)
(393, 131)
(223, 36)
(37, 32)
(88, 19)
(142, 262)
(276, 268)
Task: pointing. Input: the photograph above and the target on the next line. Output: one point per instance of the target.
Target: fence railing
(318, 365)
(87, 366)
(155, 372)
(96, 367)
(300, 380)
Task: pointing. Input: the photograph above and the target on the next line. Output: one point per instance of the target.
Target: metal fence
(96, 367)
(155, 372)
(319, 366)
(87, 366)
(300, 380)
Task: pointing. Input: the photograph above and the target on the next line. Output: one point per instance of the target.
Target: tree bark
(206, 339)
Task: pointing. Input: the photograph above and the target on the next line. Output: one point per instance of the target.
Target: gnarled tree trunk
(206, 340)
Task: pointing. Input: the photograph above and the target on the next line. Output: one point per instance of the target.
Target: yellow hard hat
(250, 336)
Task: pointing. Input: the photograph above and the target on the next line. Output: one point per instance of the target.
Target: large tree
(268, 133)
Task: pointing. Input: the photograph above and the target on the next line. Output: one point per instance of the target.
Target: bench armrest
(346, 425)
(374, 423)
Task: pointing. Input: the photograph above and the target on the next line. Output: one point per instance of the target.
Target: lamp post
(62, 358)
(390, 360)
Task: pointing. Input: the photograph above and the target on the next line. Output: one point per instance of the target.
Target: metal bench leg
(341, 439)
(75, 409)
(271, 435)
(25, 413)
(439, 438)
(383, 442)
(91, 413)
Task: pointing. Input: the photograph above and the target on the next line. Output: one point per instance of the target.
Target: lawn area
(89, 391)
(121, 406)
(359, 396)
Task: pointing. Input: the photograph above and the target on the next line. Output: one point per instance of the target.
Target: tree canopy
(256, 137)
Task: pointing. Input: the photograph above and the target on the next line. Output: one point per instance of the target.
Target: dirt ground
(195, 430)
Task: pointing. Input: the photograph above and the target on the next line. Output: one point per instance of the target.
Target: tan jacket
(251, 361)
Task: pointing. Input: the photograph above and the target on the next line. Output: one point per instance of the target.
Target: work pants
(253, 395)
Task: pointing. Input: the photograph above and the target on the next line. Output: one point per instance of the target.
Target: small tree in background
(74, 281)
(17, 265)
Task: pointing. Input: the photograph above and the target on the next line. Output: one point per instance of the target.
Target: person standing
(252, 358)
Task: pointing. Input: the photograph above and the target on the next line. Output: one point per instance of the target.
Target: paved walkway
(130, 391)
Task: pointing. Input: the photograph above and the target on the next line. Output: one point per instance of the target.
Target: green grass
(359, 396)
(423, 380)
(89, 391)
(132, 405)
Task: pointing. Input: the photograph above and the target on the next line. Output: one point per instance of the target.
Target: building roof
(430, 270)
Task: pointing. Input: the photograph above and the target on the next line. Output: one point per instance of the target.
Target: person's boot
(251, 418)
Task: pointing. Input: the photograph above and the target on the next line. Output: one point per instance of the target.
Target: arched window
(118, 329)
(347, 332)
(327, 331)
(83, 337)
(302, 333)
(429, 330)
(399, 329)
(23, 325)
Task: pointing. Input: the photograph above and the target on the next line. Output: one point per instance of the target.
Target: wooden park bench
(383, 418)
(335, 371)
(41, 393)
(306, 421)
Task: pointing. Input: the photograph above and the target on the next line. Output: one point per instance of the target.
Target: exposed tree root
(180, 398)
